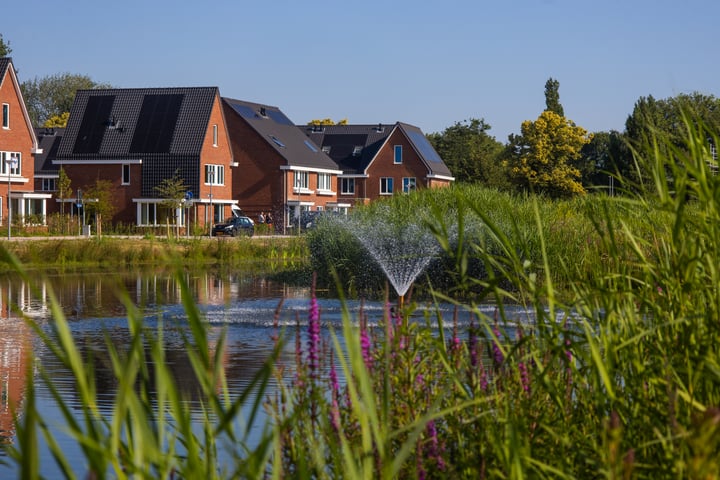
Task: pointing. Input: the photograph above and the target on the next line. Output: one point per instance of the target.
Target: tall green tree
(54, 95)
(541, 158)
(552, 97)
(604, 160)
(471, 154)
(662, 124)
(5, 49)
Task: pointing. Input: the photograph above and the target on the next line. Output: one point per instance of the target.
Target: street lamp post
(211, 179)
(11, 165)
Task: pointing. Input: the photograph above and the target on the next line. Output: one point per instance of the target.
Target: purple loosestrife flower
(433, 448)
(498, 356)
(365, 346)
(314, 337)
(472, 345)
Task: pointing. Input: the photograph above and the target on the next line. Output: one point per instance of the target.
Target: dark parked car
(234, 226)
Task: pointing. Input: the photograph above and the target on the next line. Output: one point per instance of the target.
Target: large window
(409, 184)
(6, 115)
(324, 182)
(214, 175)
(302, 181)
(148, 214)
(398, 154)
(347, 186)
(386, 186)
(10, 162)
(126, 174)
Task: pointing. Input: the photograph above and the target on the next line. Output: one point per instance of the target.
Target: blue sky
(430, 64)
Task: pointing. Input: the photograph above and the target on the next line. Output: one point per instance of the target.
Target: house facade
(379, 160)
(279, 169)
(136, 140)
(18, 146)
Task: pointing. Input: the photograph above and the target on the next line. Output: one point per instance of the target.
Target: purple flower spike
(313, 337)
(498, 356)
(365, 345)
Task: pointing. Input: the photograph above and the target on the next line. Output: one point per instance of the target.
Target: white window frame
(215, 135)
(144, 211)
(324, 182)
(125, 174)
(397, 154)
(6, 115)
(4, 159)
(301, 181)
(409, 184)
(386, 185)
(347, 186)
(214, 174)
(357, 151)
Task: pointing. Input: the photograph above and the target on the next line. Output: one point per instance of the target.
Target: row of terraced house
(231, 155)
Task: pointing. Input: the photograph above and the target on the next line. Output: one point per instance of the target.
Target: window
(357, 150)
(311, 146)
(326, 149)
(302, 181)
(386, 186)
(277, 141)
(11, 163)
(324, 181)
(6, 115)
(214, 175)
(409, 184)
(148, 214)
(215, 135)
(398, 154)
(48, 185)
(347, 186)
(126, 174)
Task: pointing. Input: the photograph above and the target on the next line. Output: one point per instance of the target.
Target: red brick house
(279, 169)
(137, 138)
(18, 145)
(379, 160)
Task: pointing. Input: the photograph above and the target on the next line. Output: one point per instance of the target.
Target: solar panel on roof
(426, 149)
(279, 117)
(156, 123)
(244, 111)
(93, 124)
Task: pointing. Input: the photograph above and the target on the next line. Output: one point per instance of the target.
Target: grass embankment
(274, 253)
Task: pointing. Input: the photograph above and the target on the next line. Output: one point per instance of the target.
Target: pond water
(249, 309)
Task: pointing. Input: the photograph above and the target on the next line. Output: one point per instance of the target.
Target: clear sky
(430, 64)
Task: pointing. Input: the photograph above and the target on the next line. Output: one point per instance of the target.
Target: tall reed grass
(615, 375)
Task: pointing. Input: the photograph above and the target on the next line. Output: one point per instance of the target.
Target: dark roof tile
(282, 134)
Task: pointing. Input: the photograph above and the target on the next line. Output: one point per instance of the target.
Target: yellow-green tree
(57, 121)
(540, 159)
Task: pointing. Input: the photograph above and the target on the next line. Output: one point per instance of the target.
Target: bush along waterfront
(613, 376)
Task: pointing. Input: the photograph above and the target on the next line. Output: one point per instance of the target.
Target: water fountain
(403, 248)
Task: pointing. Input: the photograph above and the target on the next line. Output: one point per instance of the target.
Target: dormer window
(357, 150)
